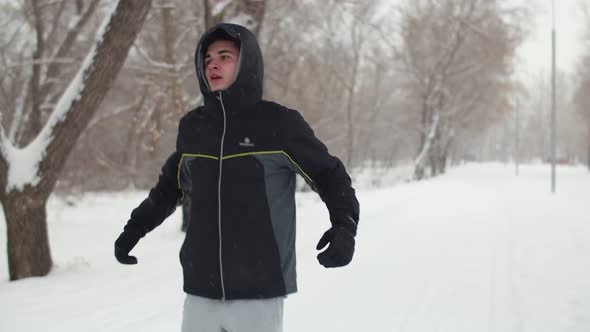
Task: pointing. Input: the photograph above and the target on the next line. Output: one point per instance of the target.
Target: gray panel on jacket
(280, 191)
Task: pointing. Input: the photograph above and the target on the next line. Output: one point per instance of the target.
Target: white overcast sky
(535, 53)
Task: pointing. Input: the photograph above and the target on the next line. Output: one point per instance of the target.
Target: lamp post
(553, 111)
(516, 138)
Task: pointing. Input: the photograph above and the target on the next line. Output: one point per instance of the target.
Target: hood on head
(250, 70)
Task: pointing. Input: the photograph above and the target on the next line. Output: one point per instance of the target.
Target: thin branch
(106, 161)
(44, 61)
(56, 21)
(4, 143)
(148, 115)
(34, 115)
(113, 113)
(152, 62)
(17, 122)
(67, 44)
(84, 94)
(182, 34)
(153, 71)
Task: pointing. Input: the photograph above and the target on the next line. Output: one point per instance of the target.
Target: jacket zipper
(219, 198)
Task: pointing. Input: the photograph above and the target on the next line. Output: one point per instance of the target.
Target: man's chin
(217, 88)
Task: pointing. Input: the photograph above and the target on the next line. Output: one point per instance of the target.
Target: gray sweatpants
(206, 315)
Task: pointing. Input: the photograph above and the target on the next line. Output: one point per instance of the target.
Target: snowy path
(476, 250)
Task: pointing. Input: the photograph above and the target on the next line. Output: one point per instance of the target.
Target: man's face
(221, 62)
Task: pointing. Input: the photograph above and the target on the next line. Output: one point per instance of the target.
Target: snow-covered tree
(582, 97)
(582, 101)
(457, 55)
(32, 155)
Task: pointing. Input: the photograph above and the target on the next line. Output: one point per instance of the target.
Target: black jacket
(237, 157)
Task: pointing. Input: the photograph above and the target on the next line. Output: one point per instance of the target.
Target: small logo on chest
(246, 142)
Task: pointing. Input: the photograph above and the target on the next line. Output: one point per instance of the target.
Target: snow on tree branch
(154, 63)
(115, 112)
(23, 163)
(38, 62)
(17, 118)
(429, 140)
(220, 7)
(243, 19)
(3, 141)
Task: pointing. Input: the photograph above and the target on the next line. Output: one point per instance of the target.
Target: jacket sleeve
(323, 172)
(162, 200)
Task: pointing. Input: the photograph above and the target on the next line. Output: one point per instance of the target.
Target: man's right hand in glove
(340, 250)
(123, 245)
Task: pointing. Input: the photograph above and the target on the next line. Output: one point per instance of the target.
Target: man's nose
(213, 65)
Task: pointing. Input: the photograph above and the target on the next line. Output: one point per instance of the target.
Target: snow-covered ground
(476, 250)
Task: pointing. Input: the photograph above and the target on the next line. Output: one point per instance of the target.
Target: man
(236, 157)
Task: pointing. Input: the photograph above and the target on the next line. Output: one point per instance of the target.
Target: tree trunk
(28, 241)
(435, 153)
(433, 164)
(438, 160)
(169, 35)
(350, 155)
(418, 172)
(443, 160)
(420, 163)
(34, 115)
(111, 52)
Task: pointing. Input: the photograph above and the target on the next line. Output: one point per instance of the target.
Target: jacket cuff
(346, 222)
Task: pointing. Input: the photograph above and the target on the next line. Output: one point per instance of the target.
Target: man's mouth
(215, 77)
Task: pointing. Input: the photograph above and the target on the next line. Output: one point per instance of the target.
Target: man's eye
(225, 57)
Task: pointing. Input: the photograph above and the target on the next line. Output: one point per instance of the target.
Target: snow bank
(476, 250)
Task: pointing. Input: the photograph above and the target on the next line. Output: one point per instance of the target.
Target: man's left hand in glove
(341, 248)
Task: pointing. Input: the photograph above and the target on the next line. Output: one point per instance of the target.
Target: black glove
(123, 245)
(341, 248)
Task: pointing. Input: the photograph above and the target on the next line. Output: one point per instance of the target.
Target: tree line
(424, 82)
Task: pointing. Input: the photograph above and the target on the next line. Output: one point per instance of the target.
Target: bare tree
(457, 55)
(325, 67)
(582, 97)
(159, 77)
(582, 102)
(249, 13)
(136, 133)
(28, 174)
